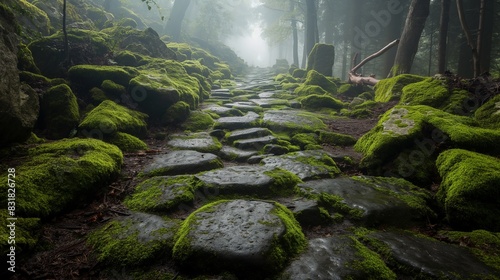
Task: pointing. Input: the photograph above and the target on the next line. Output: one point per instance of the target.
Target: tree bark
(443, 34)
(475, 56)
(487, 21)
(295, 34)
(174, 22)
(311, 26)
(408, 47)
(65, 34)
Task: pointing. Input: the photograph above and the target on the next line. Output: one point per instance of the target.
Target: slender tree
(65, 34)
(174, 22)
(485, 39)
(408, 46)
(311, 28)
(443, 34)
(295, 34)
(468, 36)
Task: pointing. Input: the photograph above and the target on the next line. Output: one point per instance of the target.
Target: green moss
(370, 264)
(488, 115)
(58, 175)
(26, 232)
(33, 22)
(392, 88)
(284, 182)
(97, 96)
(163, 193)
(109, 118)
(25, 60)
(128, 58)
(198, 121)
(60, 111)
(195, 67)
(291, 86)
(469, 204)
(224, 69)
(314, 78)
(176, 114)
(285, 78)
(181, 48)
(484, 244)
(94, 75)
(314, 101)
(434, 93)
(127, 142)
(299, 73)
(305, 139)
(39, 81)
(113, 89)
(337, 139)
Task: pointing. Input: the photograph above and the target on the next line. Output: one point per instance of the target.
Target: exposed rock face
(18, 105)
(321, 59)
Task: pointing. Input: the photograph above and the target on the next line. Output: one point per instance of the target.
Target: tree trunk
(443, 34)
(408, 47)
(311, 26)
(65, 34)
(294, 34)
(473, 46)
(487, 21)
(174, 22)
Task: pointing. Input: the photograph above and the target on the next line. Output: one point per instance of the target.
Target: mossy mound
(306, 90)
(25, 233)
(163, 193)
(109, 118)
(299, 73)
(469, 191)
(195, 67)
(90, 76)
(126, 142)
(434, 93)
(128, 58)
(59, 111)
(315, 101)
(392, 88)
(33, 21)
(304, 140)
(59, 175)
(410, 136)
(351, 90)
(112, 89)
(176, 114)
(133, 240)
(198, 121)
(333, 138)
(321, 59)
(88, 47)
(315, 78)
(25, 60)
(488, 115)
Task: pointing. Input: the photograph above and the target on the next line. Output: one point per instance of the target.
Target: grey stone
(254, 143)
(431, 259)
(267, 94)
(201, 142)
(379, 199)
(182, 162)
(245, 179)
(275, 149)
(232, 153)
(237, 235)
(246, 121)
(306, 211)
(224, 93)
(245, 106)
(248, 133)
(292, 121)
(311, 164)
(270, 102)
(223, 111)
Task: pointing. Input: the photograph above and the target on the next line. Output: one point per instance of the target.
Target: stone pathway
(250, 198)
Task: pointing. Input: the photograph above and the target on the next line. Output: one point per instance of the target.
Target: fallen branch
(358, 79)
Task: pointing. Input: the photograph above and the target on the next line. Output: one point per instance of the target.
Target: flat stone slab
(292, 120)
(432, 259)
(248, 133)
(267, 94)
(241, 236)
(270, 102)
(246, 121)
(380, 200)
(232, 153)
(333, 258)
(182, 162)
(201, 142)
(223, 111)
(245, 106)
(308, 165)
(224, 93)
(246, 179)
(163, 193)
(254, 143)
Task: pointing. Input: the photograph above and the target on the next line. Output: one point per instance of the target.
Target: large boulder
(470, 190)
(321, 59)
(19, 106)
(246, 237)
(391, 88)
(488, 115)
(316, 79)
(59, 111)
(33, 21)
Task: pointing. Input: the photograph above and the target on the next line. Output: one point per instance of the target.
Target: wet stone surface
(201, 142)
(182, 162)
(232, 123)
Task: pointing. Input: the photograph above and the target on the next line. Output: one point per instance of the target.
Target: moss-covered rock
(59, 111)
(198, 121)
(33, 21)
(305, 139)
(392, 88)
(176, 114)
(435, 93)
(133, 240)
(315, 101)
(306, 90)
(321, 59)
(88, 47)
(109, 118)
(128, 58)
(25, 233)
(469, 191)
(25, 60)
(194, 66)
(412, 135)
(488, 115)
(299, 73)
(126, 142)
(338, 139)
(315, 78)
(90, 76)
(59, 175)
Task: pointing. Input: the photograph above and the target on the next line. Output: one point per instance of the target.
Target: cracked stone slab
(270, 102)
(308, 165)
(232, 153)
(246, 121)
(255, 143)
(182, 162)
(254, 132)
(236, 235)
(201, 142)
